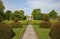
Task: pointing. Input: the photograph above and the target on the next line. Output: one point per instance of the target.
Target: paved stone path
(29, 33)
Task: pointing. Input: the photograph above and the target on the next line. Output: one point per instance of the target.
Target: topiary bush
(16, 25)
(46, 17)
(45, 24)
(6, 32)
(55, 31)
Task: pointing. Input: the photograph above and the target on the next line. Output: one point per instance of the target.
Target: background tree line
(9, 15)
(38, 15)
(19, 14)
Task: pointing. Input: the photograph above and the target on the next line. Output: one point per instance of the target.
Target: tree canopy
(8, 14)
(37, 15)
(2, 15)
(53, 14)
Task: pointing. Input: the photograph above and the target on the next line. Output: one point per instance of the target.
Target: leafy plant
(45, 24)
(6, 32)
(55, 31)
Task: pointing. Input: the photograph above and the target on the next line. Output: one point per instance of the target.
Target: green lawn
(19, 32)
(43, 33)
(23, 22)
(37, 22)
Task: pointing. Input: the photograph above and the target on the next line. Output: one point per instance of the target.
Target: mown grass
(23, 22)
(37, 22)
(19, 32)
(43, 33)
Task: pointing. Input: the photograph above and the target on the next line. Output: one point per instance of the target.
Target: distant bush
(6, 32)
(45, 17)
(36, 22)
(16, 19)
(16, 25)
(45, 24)
(55, 31)
(1, 18)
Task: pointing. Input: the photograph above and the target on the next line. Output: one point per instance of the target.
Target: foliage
(45, 24)
(19, 14)
(24, 18)
(37, 15)
(46, 17)
(8, 14)
(6, 32)
(16, 19)
(1, 7)
(58, 17)
(2, 15)
(1, 18)
(55, 31)
(16, 24)
(53, 14)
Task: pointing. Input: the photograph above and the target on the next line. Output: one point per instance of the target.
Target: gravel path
(29, 33)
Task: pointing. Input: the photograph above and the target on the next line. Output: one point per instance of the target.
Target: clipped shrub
(45, 24)
(6, 32)
(16, 19)
(45, 17)
(16, 25)
(55, 31)
(58, 18)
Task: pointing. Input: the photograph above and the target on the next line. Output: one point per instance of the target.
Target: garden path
(30, 33)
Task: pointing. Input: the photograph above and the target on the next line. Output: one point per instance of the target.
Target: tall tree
(22, 14)
(53, 14)
(37, 15)
(19, 14)
(2, 15)
(16, 14)
(8, 14)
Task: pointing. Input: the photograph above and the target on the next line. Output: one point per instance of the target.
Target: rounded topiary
(16, 19)
(45, 24)
(16, 24)
(45, 17)
(58, 18)
(6, 32)
(55, 31)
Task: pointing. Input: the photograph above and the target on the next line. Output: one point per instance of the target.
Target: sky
(28, 5)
